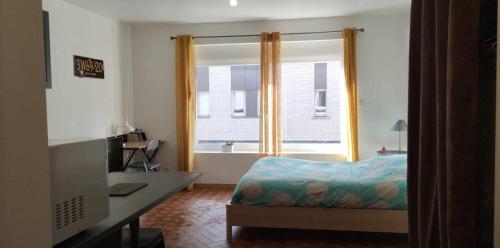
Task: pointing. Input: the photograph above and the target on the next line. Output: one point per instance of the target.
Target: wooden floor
(197, 219)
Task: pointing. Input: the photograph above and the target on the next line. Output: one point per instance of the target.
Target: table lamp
(399, 126)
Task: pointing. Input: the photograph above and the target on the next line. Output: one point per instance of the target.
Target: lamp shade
(400, 125)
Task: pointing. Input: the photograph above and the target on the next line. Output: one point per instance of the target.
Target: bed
(367, 195)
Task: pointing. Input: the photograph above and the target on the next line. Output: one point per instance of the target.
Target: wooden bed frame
(340, 219)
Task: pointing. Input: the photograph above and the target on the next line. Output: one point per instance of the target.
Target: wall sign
(88, 67)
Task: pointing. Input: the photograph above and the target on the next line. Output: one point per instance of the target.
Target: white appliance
(79, 186)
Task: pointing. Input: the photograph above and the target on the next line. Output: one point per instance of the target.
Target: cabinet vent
(69, 211)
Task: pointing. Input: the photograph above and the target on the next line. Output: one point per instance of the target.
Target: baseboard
(214, 186)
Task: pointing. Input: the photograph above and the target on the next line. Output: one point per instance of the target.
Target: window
(234, 80)
(312, 79)
(320, 106)
(245, 83)
(239, 103)
(311, 99)
(320, 84)
(311, 108)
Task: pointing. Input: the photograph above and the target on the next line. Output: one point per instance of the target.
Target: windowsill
(326, 117)
(221, 152)
(244, 117)
(256, 153)
(253, 148)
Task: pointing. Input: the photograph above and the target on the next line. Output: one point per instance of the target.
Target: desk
(125, 210)
(133, 146)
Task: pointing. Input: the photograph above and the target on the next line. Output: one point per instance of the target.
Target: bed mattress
(378, 183)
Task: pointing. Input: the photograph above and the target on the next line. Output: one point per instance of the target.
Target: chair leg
(145, 166)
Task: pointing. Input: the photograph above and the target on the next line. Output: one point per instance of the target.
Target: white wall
(25, 219)
(86, 107)
(382, 79)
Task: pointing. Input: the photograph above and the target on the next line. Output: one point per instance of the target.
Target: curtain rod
(257, 35)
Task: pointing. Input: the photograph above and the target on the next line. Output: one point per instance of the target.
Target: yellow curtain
(349, 36)
(186, 100)
(270, 90)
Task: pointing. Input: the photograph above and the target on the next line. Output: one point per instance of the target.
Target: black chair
(146, 163)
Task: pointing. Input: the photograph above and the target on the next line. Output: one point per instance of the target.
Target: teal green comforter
(377, 184)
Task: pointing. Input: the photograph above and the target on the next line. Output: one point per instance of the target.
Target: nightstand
(389, 153)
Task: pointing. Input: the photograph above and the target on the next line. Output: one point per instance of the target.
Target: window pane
(234, 83)
(302, 102)
(202, 83)
(320, 70)
(203, 104)
(320, 99)
(246, 78)
(239, 103)
(311, 80)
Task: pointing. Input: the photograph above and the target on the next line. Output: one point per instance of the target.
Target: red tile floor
(197, 219)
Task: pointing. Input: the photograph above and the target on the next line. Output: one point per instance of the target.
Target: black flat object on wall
(125, 189)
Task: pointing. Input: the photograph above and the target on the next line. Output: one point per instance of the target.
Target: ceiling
(207, 11)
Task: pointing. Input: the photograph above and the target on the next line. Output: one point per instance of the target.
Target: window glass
(320, 99)
(233, 110)
(239, 103)
(305, 96)
(228, 81)
(245, 79)
(320, 108)
(203, 104)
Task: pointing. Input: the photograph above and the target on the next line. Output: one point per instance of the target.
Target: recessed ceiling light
(233, 3)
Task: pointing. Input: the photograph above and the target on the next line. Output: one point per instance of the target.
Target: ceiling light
(233, 3)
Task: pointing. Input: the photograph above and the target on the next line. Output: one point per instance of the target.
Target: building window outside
(320, 87)
(203, 92)
(245, 83)
(203, 104)
(238, 103)
(320, 106)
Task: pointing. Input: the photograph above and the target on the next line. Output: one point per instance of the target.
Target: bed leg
(229, 226)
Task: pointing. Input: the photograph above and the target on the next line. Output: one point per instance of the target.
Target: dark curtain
(450, 130)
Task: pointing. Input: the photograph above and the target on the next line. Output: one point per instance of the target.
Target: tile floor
(197, 219)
